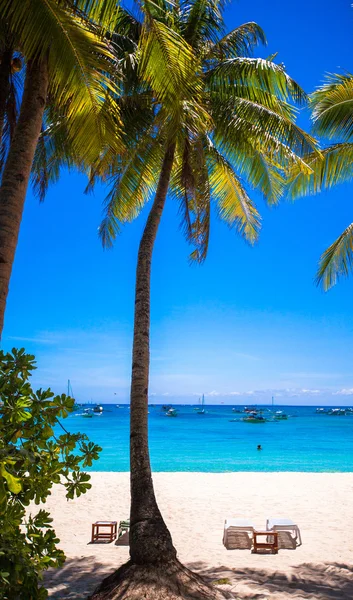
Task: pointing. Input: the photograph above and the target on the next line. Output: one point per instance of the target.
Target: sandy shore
(194, 506)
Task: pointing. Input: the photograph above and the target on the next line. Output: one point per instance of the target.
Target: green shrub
(32, 459)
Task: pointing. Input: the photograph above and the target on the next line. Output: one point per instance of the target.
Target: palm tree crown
(69, 36)
(229, 117)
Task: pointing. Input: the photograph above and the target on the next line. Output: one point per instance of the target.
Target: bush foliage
(33, 457)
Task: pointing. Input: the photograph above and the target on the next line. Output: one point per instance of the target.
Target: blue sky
(246, 325)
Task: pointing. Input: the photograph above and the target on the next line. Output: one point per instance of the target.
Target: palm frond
(132, 184)
(256, 72)
(104, 13)
(333, 108)
(190, 184)
(332, 166)
(239, 42)
(81, 66)
(250, 120)
(54, 153)
(234, 205)
(337, 260)
(167, 63)
(202, 21)
(262, 176)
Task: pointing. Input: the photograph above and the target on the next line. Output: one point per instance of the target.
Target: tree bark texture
(150, 540)
(17, 171)
(5, 70)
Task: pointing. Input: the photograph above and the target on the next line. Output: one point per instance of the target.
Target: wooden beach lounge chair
(123, 533)
(289, 536)
(238, 534)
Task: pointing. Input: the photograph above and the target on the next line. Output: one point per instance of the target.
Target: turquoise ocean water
(213, 443)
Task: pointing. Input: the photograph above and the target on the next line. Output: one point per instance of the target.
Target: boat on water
(70, 393)
(171, 412)
(254, 417)
(321, 411)
(87, 413)
(280, 416)
(98, 409)
(337, 412)
(201, 409)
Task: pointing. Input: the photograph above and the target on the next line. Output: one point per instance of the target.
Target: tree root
(167, 581)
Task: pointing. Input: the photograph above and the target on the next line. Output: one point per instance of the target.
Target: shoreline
(194, 506)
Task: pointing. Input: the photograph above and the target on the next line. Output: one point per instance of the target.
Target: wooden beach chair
(289, 536)
(238, 534)
(123, 533)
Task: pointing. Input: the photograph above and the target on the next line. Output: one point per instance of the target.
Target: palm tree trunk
(17, 171)
(5, 70)
(150, 540)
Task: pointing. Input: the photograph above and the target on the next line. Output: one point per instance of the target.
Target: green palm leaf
(332, 166)
(239, 42)
(257, 72)
(234, 205)
(79, 62)
(337, 260)
(332, 106)
(132, 183)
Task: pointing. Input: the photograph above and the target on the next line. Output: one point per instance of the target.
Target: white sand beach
(194, 506)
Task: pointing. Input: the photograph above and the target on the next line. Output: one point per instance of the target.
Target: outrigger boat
(254, 417)
(172, 412)
(280, 416)
(87, 413)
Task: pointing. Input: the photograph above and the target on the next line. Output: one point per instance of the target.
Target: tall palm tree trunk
(150, 540)
(17, 171)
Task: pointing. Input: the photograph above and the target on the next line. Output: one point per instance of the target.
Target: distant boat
(71, 394)
(98, 409)
(172, 412)
(87, 413)
(280, 415)
(254, 417)
(250, 409)
(201, 411)
(337, 412)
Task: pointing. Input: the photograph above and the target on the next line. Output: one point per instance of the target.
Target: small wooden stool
(270, 544)
(108, 536)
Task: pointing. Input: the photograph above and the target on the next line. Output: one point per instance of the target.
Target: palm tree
(68, 69)
(205, 122)
(332, 115)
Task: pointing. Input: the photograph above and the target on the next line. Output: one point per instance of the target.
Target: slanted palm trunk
(150, 540)
(17, 171)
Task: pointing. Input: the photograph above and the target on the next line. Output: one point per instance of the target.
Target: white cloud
(344, 392)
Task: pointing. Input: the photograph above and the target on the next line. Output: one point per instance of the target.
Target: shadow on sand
(76, 579)
(315, 581)
(79, 577)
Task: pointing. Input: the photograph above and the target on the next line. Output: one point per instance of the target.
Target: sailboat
(71, 394)
(201, 411)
